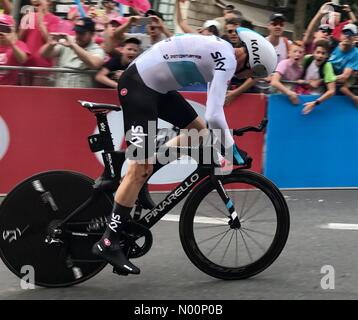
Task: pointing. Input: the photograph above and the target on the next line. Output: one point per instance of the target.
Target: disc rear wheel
(34, 208)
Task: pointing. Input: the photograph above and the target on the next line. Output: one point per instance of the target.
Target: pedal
(119, 272)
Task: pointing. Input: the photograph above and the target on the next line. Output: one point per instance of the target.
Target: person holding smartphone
(13, 52)
(155, 28)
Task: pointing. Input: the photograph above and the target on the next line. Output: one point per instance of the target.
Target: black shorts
(142, 107)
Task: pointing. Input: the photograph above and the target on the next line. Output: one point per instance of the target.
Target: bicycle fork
(234, 218)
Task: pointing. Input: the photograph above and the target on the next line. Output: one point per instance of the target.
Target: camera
(59, 36)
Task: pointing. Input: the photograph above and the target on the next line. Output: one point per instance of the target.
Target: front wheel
(230, 252)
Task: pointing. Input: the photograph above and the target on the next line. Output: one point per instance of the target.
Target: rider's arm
(214, 113)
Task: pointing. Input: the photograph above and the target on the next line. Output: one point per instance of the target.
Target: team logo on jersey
(166, 57)
(124, 92)
(219, 61)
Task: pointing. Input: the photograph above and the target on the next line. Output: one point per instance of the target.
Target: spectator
(324, 33)
(156, 30)
(13, 52)
(5, 6)
(210, 27)
(75, 13)
(345, 60)
(80, 53)
(229, 12)
(110, 42)
(324, 30)
(339, 24)
(34, 31)
(289, 69)
(110, 12)
(113, 69)
(230, 32)
(276, 28)
(317, 69)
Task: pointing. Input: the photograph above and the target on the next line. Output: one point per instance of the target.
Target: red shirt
(34, 40)
(7, 58)
(338, 30)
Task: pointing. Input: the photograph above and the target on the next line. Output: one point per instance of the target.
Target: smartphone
(337, 7)
(59, 36)
(4, 28)
(143, 21)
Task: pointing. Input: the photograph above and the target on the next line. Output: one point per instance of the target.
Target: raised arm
(182, 23)
(315, 23)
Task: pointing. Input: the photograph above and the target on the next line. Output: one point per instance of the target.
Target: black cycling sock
(117, 222)
(109, 246)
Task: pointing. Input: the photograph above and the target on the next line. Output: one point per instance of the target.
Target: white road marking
(339, 226)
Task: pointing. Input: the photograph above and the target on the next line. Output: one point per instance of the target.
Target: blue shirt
(342, 60)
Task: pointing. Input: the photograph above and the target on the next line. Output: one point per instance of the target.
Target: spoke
(237, 250)
(255, 200)
(225, 213)
(255, 241)
(227, 247)
(258, 212)
(224, 235)
(259, 220)
(213, 237)
(246, 246)
(215, 226)
(242, 214)
(259, 232)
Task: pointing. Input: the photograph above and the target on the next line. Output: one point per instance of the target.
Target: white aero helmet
(262, 57)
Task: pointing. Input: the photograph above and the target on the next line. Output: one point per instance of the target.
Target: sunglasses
(328, 31)
(348, 33)
(277, 23)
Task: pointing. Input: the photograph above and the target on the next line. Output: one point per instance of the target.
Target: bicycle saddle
(96, 107)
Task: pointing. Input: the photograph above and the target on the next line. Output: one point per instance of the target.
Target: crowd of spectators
(99, 43)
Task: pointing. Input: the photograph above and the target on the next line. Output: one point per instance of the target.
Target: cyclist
(147, 91)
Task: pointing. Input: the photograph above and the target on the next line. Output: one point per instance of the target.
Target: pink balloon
(142, 5)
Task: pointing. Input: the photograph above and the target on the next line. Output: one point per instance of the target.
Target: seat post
(104, 131)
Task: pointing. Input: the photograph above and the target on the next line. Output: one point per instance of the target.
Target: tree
(299, 19)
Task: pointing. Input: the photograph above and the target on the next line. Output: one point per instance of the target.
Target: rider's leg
(140, 114)
(126, 195)
(183, 139)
